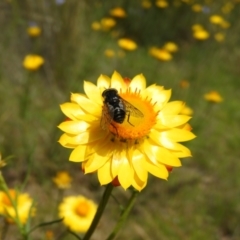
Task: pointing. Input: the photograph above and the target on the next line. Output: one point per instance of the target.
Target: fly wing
(106, 117)
(132, 110)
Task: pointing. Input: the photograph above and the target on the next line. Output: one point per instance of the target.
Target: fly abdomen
(119, 115)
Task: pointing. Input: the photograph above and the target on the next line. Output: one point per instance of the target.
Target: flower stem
(124, 215)
(101, 207)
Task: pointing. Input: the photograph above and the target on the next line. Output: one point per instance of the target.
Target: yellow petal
(71, 110)
(172, 120)
(86, 104)
(137, 183)
(116, 164)
(159, 171)
(125, 174)
(78, 154)
(104, 174)
(84, 137)
(160, 155)
(117, 82)
(95, 162)
(103, 82)
(92, 92)
(172, 108)
(74, 127)
(138, 83)
(138, 165)
(177, 135)
(64, 141)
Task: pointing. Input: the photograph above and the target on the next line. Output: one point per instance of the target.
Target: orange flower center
(139, 118)
(82, 208)
(6, 200)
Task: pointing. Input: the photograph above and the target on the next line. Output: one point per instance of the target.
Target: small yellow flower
(96, 26)
(196, 7)
(201, 34)
(62, 180)
(107, 23)
(78, 212)
(109, 53)
(146, 4)
(160, 54)
(146, 141)
(197, 27)
(219, 37)
(216, 19)
(118, 12)
(34, 31)
(127, 44)
(170, 47)
(24, 206)
(33, 62)
(225, 24)
(213, 96)
(227, 8)
(161, 3)
(184, 84)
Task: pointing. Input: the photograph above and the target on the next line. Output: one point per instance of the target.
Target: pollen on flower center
(139, 118)
(82, 208)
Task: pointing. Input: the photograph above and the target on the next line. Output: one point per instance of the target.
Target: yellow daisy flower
(118, 12)
(196, 7)
(170, 47)
(127, 44)
(220, 37)
(201, 34)
(213, 96)
(33, 62)
(107, 23)
(146, 4)
(216, 19)
(161, 3)
(160, 54)
(109, 53)
(24, 206)
(34, 31)
(145, 141)
(96, 25)
(62, 180)
(77, 212)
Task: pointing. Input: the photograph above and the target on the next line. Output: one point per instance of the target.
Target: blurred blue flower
(59, 2)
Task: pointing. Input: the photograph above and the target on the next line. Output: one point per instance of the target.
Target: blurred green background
(201, 199)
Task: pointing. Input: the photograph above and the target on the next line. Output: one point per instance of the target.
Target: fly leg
(128, 118)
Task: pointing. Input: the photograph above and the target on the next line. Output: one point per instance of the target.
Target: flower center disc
(139, 119)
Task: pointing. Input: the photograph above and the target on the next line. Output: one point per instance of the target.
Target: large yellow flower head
(23, 204)
(77, 212)
(125, 130)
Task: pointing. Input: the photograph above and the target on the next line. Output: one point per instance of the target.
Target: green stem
(101, 207)
(124, 215)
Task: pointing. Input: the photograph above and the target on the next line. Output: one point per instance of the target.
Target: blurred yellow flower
(220, 37)
(118, 12)
(145, 142)
(170, 47)
(78, 212)
(33, 62)
(201, 34)
(127, 44)
(107, 23)
(184, 84)
(23, 204)
(62, 180)
(161, 3)
(213, 96)
(196, 7)
(227, 8)
(34, 31)
(225, 24)
(109, 53)
(216, 19)
(197, 27)
(160, 54)
(96, 25)
(146, 4)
